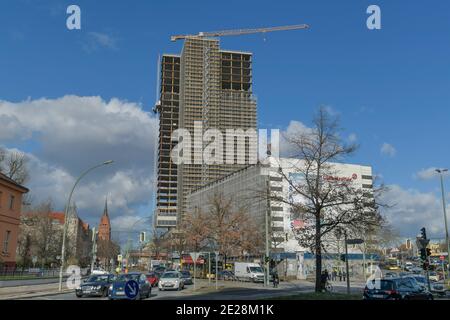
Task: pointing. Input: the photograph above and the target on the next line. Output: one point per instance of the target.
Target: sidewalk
(30, 291)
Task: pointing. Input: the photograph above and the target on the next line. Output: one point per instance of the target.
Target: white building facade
(249, 188)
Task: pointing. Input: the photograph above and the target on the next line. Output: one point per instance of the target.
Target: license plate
(120, 293)
(86, 291)
(378, 296)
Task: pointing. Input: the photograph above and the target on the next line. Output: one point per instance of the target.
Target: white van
(248, 271)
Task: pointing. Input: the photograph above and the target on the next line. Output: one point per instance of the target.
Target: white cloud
(352, 138)
(388, 150)
(429, 173)
(72, 133)
(413, 210)
(294, 129)
(97, 40)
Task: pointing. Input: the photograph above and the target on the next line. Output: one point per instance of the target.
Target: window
(11, 202)
(6, 241)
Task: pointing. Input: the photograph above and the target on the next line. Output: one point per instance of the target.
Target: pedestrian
(334, 275)
(340, 275)
(275, 279)
(344, 275)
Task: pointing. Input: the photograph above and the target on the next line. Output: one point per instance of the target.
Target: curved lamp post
(66, 212)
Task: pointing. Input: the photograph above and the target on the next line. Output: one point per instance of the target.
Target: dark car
(117, 287)
(153, 278)
(227, 275)
(395, 289)
(186, 276)
(95, 285)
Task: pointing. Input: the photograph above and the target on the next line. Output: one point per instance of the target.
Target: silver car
(171, 280)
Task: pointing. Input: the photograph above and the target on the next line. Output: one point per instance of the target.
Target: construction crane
(238, 32)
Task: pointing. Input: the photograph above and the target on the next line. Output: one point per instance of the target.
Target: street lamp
(66, 218)
(441, 174)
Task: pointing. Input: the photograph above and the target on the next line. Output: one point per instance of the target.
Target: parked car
(153, 278)
(227, 275)
(95, 285)
(187, 278)
(395, 289)
(117, 287)
(409, 266)
(171, 280)
(434, 276)
(99, 271)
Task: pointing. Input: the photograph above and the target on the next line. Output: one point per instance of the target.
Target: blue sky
(389, 86)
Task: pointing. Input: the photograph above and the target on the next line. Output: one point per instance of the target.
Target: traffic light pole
(428, 274)
(346, 264)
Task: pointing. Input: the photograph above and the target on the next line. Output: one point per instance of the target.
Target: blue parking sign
(131, 289)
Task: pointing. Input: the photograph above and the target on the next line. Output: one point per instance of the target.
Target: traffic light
(343, 257)
(428, 252)
(423, 254)
(423, 232)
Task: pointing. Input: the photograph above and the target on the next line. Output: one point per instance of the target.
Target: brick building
(10, 209)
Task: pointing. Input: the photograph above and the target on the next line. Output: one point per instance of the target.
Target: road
(227, 291)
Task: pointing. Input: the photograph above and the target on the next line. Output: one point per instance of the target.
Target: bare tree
(324, 202)
(158, 243)
(196, 230)
(39, 235)
(232, 230)
(107, 250)
(14, 165)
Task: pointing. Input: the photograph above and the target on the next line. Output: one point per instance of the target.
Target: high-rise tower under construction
(203, 88)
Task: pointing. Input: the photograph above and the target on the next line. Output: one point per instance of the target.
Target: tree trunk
(318, 254)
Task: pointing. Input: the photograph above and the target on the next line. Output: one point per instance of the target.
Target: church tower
(104, 228)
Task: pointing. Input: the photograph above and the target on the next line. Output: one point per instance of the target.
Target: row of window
(11, 201)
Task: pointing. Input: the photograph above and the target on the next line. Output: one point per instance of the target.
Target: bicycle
(328, 287)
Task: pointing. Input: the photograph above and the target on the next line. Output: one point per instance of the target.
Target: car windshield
(99, 278)
(151, 274)
(171, 275)
(186, 274)
(386, 285)
(127, 277)
(256, 269)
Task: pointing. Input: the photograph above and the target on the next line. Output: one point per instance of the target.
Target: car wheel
(430, 297)
(138, 297)
(149, 292)
(105, 292)
(79, 295)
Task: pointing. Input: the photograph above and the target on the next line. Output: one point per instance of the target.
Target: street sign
(131, 289)
(355, 241)
(195, 256)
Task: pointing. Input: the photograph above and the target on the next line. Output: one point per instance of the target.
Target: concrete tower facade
(213, 91)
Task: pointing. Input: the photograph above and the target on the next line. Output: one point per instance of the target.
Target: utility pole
(209, 268)
(217, 268)
(94, 249)
(346, 263)
(441, 173)
(267, 257)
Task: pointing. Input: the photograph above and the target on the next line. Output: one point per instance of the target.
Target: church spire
(105, 211)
